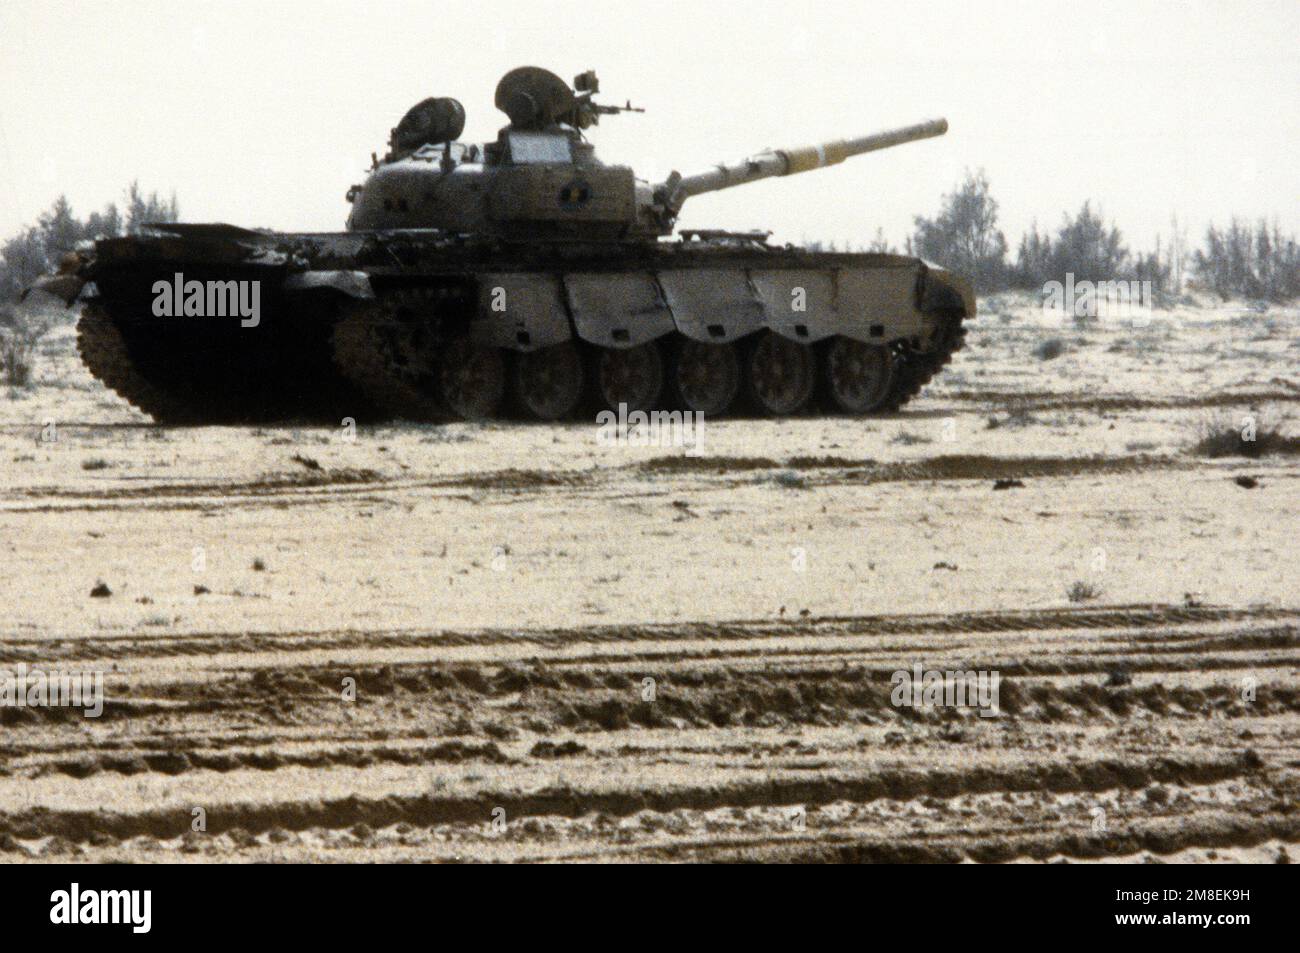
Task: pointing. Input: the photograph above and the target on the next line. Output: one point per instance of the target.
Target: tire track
(1134, 710)
(901, 783)
(52, 651)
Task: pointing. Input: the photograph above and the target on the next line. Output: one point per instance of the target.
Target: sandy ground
(567, 650)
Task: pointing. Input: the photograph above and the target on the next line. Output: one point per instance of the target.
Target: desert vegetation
(1223, 436)
(37, 249)
(1242, 261)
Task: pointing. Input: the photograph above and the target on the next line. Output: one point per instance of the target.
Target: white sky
(262, 114)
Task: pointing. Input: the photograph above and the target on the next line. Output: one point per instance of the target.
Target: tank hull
(425, 326)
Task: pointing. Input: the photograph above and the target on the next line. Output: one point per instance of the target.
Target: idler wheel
(858, 375)
(549, 382)
(705, 376)
(471, 379)
(632, 377)
(780, 374)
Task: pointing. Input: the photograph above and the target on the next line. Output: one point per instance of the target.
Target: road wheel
(705, 377)
(471, 379)
(858, 376)
(633, 377)
(780, 374)
(548, 383)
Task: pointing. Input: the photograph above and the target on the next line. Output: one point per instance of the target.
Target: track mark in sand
(1047, 400)
(510, 485)
(178, 762)
(279, 488)
(311, 487)
(513, 479)
(895, 783)
(1161, 836)
(268, 484)
(1135, 710)
(18, 648)
(841, 470)
(571, 698)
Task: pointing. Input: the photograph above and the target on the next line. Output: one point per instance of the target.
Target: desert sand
(511, 642)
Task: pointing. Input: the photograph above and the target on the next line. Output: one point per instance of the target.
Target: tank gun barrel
(677, 188)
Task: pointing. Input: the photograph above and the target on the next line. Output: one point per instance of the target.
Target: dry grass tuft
(1081, 591)
(1248, 436)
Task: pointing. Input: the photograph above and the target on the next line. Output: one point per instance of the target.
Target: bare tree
(964, 235)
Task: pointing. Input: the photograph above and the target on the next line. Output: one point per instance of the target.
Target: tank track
(369, 352)
(104, 350)
(919, 368)
(176, 375)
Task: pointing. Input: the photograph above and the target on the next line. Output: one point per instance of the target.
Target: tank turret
(541, 179)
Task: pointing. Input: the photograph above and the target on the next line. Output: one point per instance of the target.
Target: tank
(522, 277)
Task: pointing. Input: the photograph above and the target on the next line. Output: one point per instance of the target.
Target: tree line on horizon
(1241, 260)
(37, 249)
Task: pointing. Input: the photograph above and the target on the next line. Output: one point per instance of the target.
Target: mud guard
(713, 305)
(801, 304)
(520, 312)
(617, 310)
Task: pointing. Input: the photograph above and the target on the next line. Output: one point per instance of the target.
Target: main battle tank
(521, 277)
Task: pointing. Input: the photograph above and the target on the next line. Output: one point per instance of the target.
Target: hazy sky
(263, 114)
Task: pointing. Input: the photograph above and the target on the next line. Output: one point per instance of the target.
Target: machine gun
(535, 98)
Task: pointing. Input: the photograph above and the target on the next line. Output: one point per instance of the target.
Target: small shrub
(1081, 591)
(1050, 349)
(790, 480)
(20, 331)
(907, 438)
(96, 463)
(16, 358)
(259, 565)
(1225, 437)
(1016, 417)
